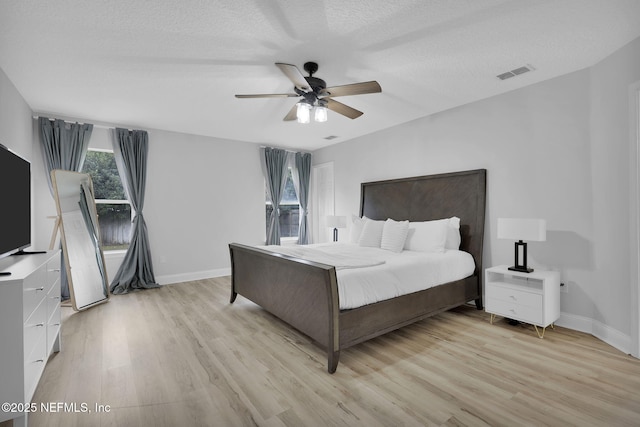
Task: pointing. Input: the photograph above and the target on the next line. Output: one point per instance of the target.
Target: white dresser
(527, 297)
(29, 326)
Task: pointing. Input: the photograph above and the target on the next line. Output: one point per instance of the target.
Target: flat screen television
(15, 202)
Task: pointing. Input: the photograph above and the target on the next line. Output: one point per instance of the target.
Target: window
(289, 209)
(114, 210)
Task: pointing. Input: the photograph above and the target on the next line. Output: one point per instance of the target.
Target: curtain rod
(72, 122)
(288, 151)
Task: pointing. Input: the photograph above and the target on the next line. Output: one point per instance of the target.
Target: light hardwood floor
(182, 355)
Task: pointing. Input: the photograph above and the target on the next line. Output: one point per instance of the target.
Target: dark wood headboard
(424, 198)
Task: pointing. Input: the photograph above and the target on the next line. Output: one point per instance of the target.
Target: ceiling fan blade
(292, 72)
(292, 114)
(352, 89)
(270, 95)
(340, 108)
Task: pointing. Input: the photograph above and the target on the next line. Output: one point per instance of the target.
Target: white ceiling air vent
(516, 72)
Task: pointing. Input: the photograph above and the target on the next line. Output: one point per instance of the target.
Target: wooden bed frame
(305, 294)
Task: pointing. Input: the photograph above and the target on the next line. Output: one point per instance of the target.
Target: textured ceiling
(176, 65)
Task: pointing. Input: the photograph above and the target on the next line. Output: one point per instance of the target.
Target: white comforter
(338, 255)
(368, 275)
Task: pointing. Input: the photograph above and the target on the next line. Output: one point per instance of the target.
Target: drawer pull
(39, 325)
(56, 297)
(55, 270)
(38, 361)
(41, 288)
(55, 324)
(35, 289)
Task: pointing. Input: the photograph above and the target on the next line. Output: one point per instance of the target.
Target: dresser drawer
(53, 300)
(515, 311)
(53, 312)
(515, 296)
(53, 330)
(34, 291)
(35, 328)
(33, 368)
(53, 272)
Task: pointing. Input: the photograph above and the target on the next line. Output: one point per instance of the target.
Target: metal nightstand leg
(553, 326)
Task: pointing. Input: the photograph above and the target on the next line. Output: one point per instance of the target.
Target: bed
(305, 294)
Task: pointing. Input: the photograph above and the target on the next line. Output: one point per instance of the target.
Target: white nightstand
(528, 297)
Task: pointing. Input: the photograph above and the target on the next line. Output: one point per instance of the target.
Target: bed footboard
(302, 293)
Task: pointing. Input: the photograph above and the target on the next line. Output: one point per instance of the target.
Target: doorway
(634, 108)
(322, 201)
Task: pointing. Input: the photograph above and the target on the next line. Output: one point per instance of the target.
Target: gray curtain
(302, 177)
(130, 150)
(275, 168)
(64, 146)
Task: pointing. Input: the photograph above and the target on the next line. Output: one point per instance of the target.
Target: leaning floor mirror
(80, 237)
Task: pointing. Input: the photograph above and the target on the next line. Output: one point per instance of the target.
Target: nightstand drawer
(515, 311)
(514, 296)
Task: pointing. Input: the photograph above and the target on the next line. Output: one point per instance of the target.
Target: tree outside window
(114, 210)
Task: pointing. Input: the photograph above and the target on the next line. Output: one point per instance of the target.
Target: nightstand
(527, 297)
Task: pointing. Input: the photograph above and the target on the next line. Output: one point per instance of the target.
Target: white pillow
(453, 234)
(394, 234)
(371, 233)
(356, 228)
(427, 236)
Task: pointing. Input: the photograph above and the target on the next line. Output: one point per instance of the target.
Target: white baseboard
(113, 260)
(611, 336)
(188, 277)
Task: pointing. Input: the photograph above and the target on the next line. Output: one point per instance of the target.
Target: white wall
(15, 119)
(202, 194)
(549, 154)
(16, 131)
(613, 161)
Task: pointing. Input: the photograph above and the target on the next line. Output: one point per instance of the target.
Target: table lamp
(520, 229)
(336, 222)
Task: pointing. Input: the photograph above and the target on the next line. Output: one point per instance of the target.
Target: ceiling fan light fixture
(316, 94)
(320, 114)
(304, 112)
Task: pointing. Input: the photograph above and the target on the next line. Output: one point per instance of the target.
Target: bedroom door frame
(634, 121)
(322, 201)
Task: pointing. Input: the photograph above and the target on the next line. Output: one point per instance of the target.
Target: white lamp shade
(320, 114)
(533, 230)
(303, 112)
(336, 221)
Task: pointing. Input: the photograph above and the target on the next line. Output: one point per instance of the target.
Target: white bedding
(339, 256)
(393, 274)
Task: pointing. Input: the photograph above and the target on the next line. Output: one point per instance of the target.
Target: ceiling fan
(316, 94)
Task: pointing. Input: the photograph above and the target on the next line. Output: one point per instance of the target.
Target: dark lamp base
(520, 266)
(521, 269)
